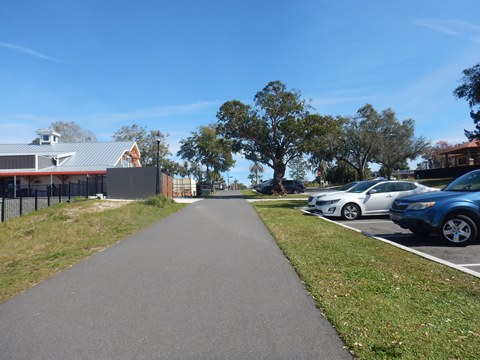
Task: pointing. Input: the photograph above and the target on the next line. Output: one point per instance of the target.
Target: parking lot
(467, 257)
(464, 257)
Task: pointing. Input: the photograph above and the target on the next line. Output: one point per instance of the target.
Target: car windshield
(361, 187)
(348, 186)
(467, 182)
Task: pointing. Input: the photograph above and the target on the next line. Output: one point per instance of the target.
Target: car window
(361, 187)
(403, 186)
(384, 187)
(467, 182)
(348, 186)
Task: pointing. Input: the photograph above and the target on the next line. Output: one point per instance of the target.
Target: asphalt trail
(208, 282)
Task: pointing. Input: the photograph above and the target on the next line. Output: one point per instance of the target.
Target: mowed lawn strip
(384, 302)
(39, 244)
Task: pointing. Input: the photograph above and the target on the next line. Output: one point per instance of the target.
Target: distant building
(28, 166)
(462, 155)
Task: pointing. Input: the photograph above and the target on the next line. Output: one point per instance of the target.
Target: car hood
(441, 195)
(327, 192)
(341, 195)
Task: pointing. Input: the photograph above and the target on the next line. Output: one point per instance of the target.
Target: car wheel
(296, 191)
(458, 230)
(350, 212)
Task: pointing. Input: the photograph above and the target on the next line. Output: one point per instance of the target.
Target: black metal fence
(23, 199)
(14, 207)
(72, 189)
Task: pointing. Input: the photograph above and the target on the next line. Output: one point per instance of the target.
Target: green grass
(250, 194)
(384, 302)
(40, 244)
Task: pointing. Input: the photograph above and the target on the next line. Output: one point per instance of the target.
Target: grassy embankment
(384, 302)
(40, 244)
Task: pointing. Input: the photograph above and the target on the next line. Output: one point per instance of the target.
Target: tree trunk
(279, 169)
(388, 172)
(360, 174)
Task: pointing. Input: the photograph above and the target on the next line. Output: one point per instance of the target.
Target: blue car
(453, 213)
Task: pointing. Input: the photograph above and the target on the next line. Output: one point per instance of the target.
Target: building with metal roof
(52, 162)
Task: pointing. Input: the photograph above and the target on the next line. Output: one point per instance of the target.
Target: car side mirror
(373, 191)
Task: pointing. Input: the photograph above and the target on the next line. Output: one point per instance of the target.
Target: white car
(368, 198)
(312, 199)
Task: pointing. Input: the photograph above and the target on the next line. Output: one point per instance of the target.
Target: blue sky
(169, 65)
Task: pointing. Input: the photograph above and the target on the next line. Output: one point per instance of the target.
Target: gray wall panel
(17, 162)
(131, 183)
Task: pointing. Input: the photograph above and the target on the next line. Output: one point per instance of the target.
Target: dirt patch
(95, 206)
(107, 205)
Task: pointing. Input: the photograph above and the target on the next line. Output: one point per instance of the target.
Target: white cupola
(48, 136)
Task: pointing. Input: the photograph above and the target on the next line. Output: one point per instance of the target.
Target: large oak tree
(358, 143)
(379, 137)
(273, 131)
(396, 142)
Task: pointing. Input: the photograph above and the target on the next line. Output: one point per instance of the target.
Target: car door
(404, 188)
(379, 199)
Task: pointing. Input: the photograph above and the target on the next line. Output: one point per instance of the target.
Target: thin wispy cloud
(436, 25)
(156, 112)
(450, 27)
(27, 51)
(159, 112)
(104, 123)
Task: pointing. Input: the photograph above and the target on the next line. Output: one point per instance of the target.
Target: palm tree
(256, 168)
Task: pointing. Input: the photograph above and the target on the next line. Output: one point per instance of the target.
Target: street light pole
(157, 184)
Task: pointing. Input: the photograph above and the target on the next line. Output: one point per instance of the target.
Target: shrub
(158, 201)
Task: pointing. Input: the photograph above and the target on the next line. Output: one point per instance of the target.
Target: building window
(127, 162)
(45, 137)
(462, 161)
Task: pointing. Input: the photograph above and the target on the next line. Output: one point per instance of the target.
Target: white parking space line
(469, 265)
(380, 221)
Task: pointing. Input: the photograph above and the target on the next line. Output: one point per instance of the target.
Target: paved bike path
(208, 282)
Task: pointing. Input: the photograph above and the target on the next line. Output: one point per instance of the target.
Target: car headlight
(329, 202)
(420, 205)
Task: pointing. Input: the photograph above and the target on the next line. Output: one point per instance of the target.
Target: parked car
(368, 198)
(291, 186)
(312, 199)
(453, 213)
